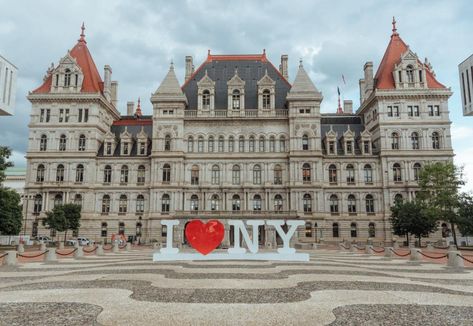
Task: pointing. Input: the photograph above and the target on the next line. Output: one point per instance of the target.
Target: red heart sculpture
(204, 237)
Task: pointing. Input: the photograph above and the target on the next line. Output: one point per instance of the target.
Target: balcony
(279, 113)
(237, 214)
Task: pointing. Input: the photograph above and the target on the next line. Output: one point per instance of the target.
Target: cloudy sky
(140, 38)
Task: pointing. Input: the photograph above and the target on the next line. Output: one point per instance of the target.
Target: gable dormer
(142, 141)
(409, 72)
(331, 142)
(266, 92)
(236, 92)
(365, 142)
(348, 142)
(67, 76)
(126, 141)
(206, 93)
(109, 144)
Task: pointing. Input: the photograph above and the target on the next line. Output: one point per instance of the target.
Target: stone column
(42, 246)
(50, 255)
(388, 252)
(20, 248)
(10, 259)
(369, 249)
(79, 252)
(99, 251)
(415, 254)
(454, 261)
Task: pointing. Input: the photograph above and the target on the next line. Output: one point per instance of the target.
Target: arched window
(397, 177)
(57, 200)
(122, 204)
(40, 173)
(200, 144)
(306, 173)
(206, 99)
(121, 228)
(307, 203)
(368, 173)
(251, 144)
(308, 230)
(43, 143)
(107, 174)
(103, 230)
(60, 173)
(305, 142)
(335, 233)
(278, 203)
(435, 140)
(351, 204)
(67, 78)
(277, 174)
(266, 99)
(231, 144)
(282, 144)
(257, 174)
(80, 173)
(415, 140)
(190, 144)
(194, 175)
(140, 204)
(395, 140)
(214, 203)
(62, 143)
(332, 173)
(124, 174)
(166, 173)
(417, 168)
(241, 144)
(261, 144)
(353, 230)
(221, 144)
(272, 144)
(236, 175)
(38, 204)
(235, 203)
(410, 74)
(106, 204)
(371, 230)
(167, 143)
(211, 144)
(194, 203)
(350, 174)
(165, 203)
(215, 175)
(82, 143)
(141, 175)
(333, 204)
(256, 202)
(369, 201)
(78, 199)
(236, 99)
(398, 198)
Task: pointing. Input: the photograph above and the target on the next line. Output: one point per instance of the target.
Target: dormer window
(410, 74)
(236, 100)
(142, 148)
(67, 78)
(62, 143)
(206, 99)
(266, 99)
(125, 149)
(331, 147)
(366, 146)
(108, 148)
(349, 146)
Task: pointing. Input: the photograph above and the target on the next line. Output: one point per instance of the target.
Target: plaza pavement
(334, 288)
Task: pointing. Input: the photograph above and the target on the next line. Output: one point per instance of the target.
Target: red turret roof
(396, 48)
(92, 82)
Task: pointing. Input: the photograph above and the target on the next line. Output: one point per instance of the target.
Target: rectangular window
(109, 149)
(468, 86)
(125, 148)
(79, 119)
(331, 147)
(410, 111)
(436, 110)
(41, 116)
(396, 111)
(464, 88)
(349, 147)
(421, 79)
(48, 115)
(366, 146)
(416, 110)
(61, 115)
(390, 111)
(86, 115)
(142, 148)
(66, 116)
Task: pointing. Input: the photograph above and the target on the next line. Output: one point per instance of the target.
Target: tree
(5, 153)
(465, 214)
(439, 189)
(63, 218)
(10, 212)
(412, 218)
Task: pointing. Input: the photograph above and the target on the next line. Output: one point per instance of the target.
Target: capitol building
(237, 139)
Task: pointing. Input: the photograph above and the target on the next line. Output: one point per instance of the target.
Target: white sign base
(229, 256)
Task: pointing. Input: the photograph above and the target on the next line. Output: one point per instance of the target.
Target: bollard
(99, 251)
(157, 245)
(387, 252)
(61, 245)
(369, 249)
(396, 245)
(128, 246)
(76, 244)
(79, 252)
(115, 248)
(10, 259)
(314, 246)
(20, 248)
(452, 247)
(430, 247)
(415, 255)
(454, 261)
(341, 247)
(42, 246)
(50, 255)
(353, 249)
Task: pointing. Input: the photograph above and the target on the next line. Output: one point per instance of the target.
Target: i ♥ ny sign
(205, 237)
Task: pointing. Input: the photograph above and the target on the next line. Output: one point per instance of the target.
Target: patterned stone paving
(334, 288)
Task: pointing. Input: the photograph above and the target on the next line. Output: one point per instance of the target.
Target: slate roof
(251, 68)
(339, 124)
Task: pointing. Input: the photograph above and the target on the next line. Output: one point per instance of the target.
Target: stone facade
(8, 73)
(465, 70)
(235, 141)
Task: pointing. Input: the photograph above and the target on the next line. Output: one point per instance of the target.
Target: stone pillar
(157, 245)
(115, 248)
(395, 245)
(388, 252)
(415, 255)
(10, 259)
(430, 247)
(369, 249)
(353, 249)
(42, 247)
(50, 255)
(99, 251)
(79, 252)
(20, 248)
(454, 261)
(128, 246)
(61, 245)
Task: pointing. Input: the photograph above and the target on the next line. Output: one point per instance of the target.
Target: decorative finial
(138, 109)
(394, 26)
(82, 34)
(300, 63)
(264, 51)
(171, 67)
(236, 70)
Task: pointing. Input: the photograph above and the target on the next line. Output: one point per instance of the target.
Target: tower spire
(339, 108)
(394, 27)
(138, 109)
(82, 34)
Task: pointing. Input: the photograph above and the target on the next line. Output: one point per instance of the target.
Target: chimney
(189, 67)
(283, 66)
(362, 91)
(107, 83)
(368, 68)
(130, 108)
(114, 93)
(348, 106)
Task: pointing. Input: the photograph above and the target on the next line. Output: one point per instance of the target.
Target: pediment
(366, 134)
(142, 134)
(68, 62)
(206, 81)
(125, 134)
(236, 80)
(266, 80)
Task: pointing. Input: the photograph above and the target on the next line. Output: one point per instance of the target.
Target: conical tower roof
(303, 87)
(169, 90)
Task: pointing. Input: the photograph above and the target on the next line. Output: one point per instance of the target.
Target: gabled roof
(396, 48)
(92, 82)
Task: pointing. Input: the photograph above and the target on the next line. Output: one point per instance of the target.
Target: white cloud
(461, 132)
(465, 158)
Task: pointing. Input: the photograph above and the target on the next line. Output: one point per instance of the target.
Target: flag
(343, 78)
(338, 90)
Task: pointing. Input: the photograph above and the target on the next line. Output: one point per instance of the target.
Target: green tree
(5, 153)
(63, 218)
(439, 189)
(10, 212)
(412, 217)
(465, 215)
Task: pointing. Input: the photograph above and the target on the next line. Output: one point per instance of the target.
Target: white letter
(239, 226)
(169, 235)
(286, 237)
